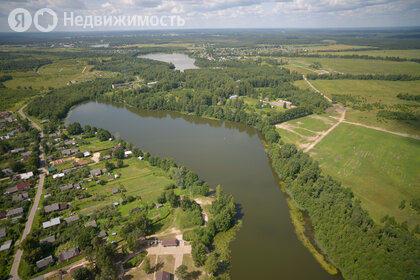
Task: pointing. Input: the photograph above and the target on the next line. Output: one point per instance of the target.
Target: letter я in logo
(19, 20)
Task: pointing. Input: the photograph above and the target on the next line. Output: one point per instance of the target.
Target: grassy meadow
(357, 66)
(384, 92)
(382, 169)
(137, 178)
(378, 53)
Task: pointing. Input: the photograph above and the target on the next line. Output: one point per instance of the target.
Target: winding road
(18, 256)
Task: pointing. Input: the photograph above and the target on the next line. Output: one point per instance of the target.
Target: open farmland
(382, 169)
(357, 66)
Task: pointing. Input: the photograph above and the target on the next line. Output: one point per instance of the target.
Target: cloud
(264, 13)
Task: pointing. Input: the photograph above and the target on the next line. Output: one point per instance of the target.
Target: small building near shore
(170, 242)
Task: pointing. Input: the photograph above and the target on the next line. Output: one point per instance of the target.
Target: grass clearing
(384, 92)
(381, 53)
(382, 169)
(137, 177)
(358, 66)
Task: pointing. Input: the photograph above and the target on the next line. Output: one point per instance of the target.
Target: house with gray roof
(51, 208)
(49, 239)
(41, 264)
(11, 190)
(2, 232)
(72, 219)
(96, 172)
(20, 196)
(6, 245)
(91, 224)
(66, 187)
(69, 254)
(14, 212)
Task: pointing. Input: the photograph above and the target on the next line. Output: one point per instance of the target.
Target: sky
(224, 13)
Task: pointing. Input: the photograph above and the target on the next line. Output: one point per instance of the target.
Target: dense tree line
(24, 64)
(409, 97)
(360, 248)
(57, 103)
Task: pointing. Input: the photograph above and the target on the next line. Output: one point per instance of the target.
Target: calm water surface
(223, 153)
(181, 61)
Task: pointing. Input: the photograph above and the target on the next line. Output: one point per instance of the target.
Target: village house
(26, 176)
(58, 175)
(6, 245)
(102, 234)
(55, 207)
(91, 224)
(69, 254)
(149, 84)
(14, 212)
(114, 191)
(163, 275)
(20, 196)
(66, 187)
(50, 223)
(26, 154)
(41, 264)
(18, 150)
(2, 232)
(23, 186)
(170, 242)
(66, 171)
(96, 172)
(49, 239)
(68, 152)
(11, 190)
(72, 219)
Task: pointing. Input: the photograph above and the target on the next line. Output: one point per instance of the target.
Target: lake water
(223, 153)
(181, 61)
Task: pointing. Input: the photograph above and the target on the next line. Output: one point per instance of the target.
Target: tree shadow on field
(157, 267)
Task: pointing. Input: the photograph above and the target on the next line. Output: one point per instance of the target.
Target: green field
(95, 145)
(382, 169)
(384, 92)
(381, 53)
(357, 66)
(137, 178)
(57, 74)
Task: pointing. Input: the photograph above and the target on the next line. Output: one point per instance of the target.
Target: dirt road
(339, 108)
(29, 222)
